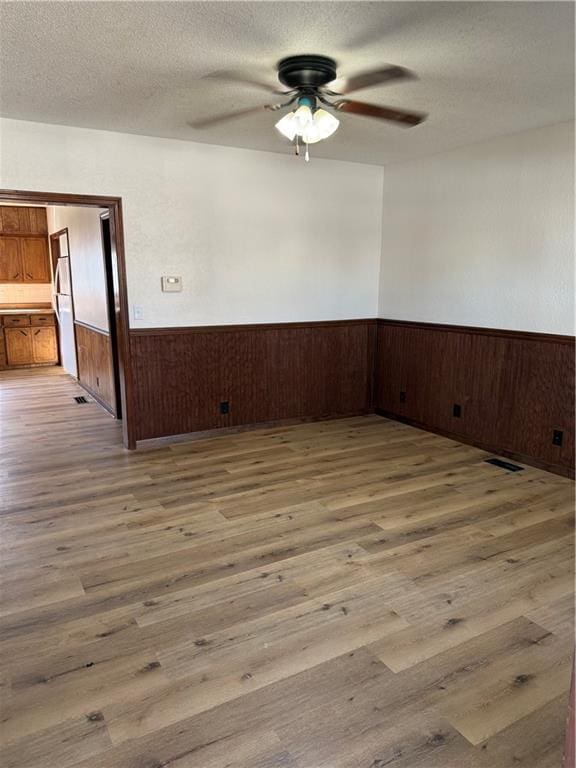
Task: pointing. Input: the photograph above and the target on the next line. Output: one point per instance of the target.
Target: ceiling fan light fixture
(321, 126)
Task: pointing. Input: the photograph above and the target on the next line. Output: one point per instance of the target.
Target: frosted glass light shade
(288, 126)
(303, 117)
(325, 123)
(311, 134)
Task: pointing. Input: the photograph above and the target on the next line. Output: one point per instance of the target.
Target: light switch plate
(171, 284)
(138, 312)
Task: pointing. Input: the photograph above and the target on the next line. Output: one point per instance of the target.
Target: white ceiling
(485, 68)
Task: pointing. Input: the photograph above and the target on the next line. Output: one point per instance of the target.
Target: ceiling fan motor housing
(306, 72)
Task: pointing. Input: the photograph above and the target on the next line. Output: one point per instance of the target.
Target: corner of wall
(379, 308)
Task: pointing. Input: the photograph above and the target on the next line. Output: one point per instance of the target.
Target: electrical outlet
(557, 437)
(402, 397)
(456, 410)
(225, 407)
(138, 312)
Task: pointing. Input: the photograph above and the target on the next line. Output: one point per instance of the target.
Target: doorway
(113, 248)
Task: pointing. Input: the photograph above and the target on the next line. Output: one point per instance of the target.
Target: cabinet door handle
(16, 275)
(36, 333)
(24, 333)
(29, 276)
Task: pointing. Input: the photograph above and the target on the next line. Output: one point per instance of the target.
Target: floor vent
(80, 399)
(505, 465)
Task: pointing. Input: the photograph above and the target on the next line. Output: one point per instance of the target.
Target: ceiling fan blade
(375, 77)
(400, 116)
(208, 122)
(237, 76)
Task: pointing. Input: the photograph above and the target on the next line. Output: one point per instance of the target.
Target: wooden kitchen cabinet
(16, 321)
(19, 346)
(24, 260)
(35, 261)
(10, 218)
(10, 260)
(44, 347)
(31, 346)
(23, 220)
(24, 252)
(47, 319)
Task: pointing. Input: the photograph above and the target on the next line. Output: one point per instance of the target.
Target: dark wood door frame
(114, 206)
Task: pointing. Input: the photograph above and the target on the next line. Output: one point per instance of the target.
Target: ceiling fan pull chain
(307, 155)
(297, 146)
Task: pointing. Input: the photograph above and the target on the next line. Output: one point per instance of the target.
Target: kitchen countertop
(46, 311)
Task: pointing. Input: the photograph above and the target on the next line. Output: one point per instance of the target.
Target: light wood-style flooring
(352, 593)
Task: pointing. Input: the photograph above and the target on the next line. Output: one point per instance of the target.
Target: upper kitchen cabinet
(10, 260)
(35, 260)
(24, 254)
(20, 220)
(24, 260)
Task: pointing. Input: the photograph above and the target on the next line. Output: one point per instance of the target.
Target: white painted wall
(256, 236)
(86, 261)
(483, 235)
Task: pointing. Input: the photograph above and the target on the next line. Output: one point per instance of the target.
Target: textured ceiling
(484, 68)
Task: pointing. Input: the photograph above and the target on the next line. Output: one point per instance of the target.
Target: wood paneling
(264, 372)
(514, 389)
(95, 367)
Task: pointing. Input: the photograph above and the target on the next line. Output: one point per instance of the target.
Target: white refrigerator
(62, 304)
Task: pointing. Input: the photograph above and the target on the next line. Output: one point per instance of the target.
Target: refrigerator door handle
(54, 291)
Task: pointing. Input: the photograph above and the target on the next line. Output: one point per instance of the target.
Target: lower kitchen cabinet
(44, 347)
(19, 346)
(31, 346)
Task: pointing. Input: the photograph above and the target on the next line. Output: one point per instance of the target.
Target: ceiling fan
(306, 79)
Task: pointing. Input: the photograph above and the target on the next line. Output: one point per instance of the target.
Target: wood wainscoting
(265, 373)
(95, 364)
(514, 389)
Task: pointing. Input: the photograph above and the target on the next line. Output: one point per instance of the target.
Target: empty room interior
(286, 384)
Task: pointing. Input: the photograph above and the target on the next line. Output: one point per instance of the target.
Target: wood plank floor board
(354, 593)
